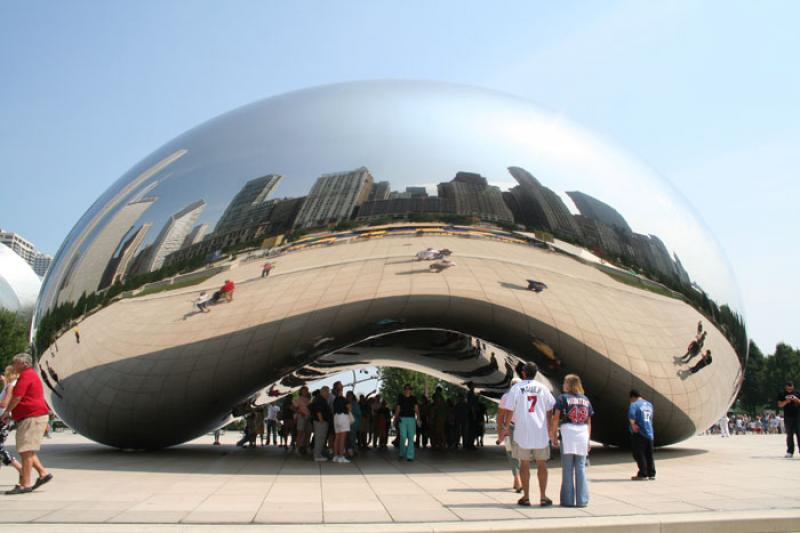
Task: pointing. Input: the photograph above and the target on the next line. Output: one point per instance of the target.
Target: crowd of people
(296, 423)
(330, 424)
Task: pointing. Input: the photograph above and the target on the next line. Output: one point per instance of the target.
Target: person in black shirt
(407, 412)
(789, 401)
(702, 363)
(322, 416)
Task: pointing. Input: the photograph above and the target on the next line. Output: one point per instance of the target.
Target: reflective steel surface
(435, 227)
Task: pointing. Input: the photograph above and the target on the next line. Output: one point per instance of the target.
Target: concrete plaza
(737, 484)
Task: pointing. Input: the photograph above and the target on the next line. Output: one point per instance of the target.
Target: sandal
(41, 481)
(545, 502)
(19, 489)
(525, 502)
(518, 490)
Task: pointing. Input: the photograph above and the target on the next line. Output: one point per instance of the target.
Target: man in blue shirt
(640, 420)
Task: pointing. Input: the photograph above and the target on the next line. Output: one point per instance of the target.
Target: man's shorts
(341, 423)
(530, 454)
(30, 432)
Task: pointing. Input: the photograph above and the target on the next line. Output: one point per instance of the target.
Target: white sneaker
(344, 460)
(788, 456)
(337, 459)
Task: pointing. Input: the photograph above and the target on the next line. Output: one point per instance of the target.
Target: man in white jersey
(531, 405)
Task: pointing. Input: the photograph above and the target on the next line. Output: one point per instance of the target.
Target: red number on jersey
(532, 398)
(578, 415)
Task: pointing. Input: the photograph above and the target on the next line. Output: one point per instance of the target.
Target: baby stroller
(5, 457)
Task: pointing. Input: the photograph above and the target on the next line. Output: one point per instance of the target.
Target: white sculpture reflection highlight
(440, 228)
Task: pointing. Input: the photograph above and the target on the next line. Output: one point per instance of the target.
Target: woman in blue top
(573, 416)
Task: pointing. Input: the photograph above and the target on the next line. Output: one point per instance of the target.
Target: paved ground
(702, 480)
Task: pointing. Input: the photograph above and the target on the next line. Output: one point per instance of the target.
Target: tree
(14, 333)
(764, 377)
(752, 397)
(394, 379)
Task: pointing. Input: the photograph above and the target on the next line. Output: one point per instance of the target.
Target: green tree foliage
(13, 336)
(765, 375)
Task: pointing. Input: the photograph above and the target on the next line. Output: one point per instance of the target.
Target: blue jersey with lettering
(641, 412)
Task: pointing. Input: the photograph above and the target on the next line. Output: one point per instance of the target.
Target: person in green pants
(407, 413)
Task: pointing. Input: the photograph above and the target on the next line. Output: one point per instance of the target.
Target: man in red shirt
(227, 290)
(30, 412)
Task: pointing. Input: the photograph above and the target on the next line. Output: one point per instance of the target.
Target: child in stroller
(6, 458)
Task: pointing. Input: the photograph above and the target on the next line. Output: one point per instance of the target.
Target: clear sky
(707, 93)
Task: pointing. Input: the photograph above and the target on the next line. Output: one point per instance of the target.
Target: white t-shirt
(530, 402)
(4, 393)
(272, 412)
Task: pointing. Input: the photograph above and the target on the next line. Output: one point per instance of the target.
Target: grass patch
(177, 285)
(635, 281)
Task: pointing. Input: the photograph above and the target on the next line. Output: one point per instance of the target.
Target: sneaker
(638, 478)
(788, 456)
(651, 478)
(344, 460)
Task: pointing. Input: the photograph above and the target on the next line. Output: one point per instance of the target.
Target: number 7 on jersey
(532, 399)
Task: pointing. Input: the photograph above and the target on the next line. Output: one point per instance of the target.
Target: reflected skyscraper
(250, 205)
(334, 196)
(118, 266)
(173, 234)
(472, 196)
(195, 236)
(542, 208)
(95, 259)
(591, 207)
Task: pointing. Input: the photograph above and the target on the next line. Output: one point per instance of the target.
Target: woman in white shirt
(573, 416)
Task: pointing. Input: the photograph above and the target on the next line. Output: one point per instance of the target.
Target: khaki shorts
(30, 432)
(530, 454)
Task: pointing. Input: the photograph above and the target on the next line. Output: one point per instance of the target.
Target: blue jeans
(574, 487)
(408, 428)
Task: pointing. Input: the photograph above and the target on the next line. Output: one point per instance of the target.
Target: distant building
(333, 198)
(173, 234)
(542, 208)
(195, 236)
(19, 244)
(380, 191)
(417, 192)
(94, 260)
(591, 207)
(249, 206)
(473, 196)
(404, 207)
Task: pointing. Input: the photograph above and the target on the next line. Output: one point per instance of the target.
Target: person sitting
(535, 286)
(702, 363)
(444, 264)
(202, 302)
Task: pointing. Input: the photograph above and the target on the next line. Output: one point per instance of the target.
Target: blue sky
(705, 92)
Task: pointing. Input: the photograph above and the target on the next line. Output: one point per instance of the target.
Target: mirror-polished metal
(441, 228)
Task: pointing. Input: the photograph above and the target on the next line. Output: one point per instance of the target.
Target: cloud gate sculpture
(435, 227)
